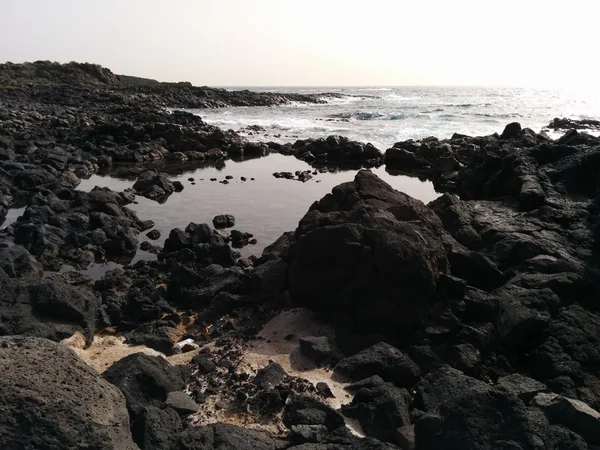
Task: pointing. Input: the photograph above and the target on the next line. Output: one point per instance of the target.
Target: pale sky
(315, 42)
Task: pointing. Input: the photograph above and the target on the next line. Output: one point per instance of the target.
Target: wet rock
(381, 359)
(154, 185)
(153, 234)
(224, 221)
(240, 239)
(51, 399)
(338, 149)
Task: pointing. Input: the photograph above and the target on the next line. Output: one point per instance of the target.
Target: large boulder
(383, 360)
(368, 256)
(49, 399)
(481, 419)
(46, 308)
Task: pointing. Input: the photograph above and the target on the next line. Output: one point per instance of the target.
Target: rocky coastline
(380, 322)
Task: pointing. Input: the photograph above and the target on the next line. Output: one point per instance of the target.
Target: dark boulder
(512, 131)
(46, 308)
(381, 359)
(380, 410)
(156, 428)
(368, 256)
(442, 385)
(523, 387)
(319, 349)
(50, 399)
(145, 380)
(16, 261)
(304, 410)
(481, 419)
(573, 414)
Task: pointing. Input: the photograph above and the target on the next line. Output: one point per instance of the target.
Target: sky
(538, 43)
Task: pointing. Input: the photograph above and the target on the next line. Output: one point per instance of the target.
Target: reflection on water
(265, 206)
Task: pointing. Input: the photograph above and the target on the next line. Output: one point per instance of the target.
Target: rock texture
(367, 240)
(51, 399)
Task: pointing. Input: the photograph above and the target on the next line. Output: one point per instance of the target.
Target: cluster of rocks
(468, 323)
(303, 176)
(571, 124)
(337, 150)
(490, 296)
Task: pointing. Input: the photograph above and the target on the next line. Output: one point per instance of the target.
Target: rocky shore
(472, 322)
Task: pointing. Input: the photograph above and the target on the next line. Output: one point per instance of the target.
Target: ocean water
(387, 115)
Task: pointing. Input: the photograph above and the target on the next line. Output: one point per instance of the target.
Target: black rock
(224, 221)
(46, 308)
(372, 228)
(573, 414)
(303, 410)
(381, 359)
(270, 376)
(153, 234)
(512, 131)
(380, 410)
(481, 418)
(145, 380)
(319, 350)
(51, 399)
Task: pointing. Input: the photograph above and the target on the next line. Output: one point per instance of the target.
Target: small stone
(229, 177)
(205, 364)
(243, 178)
(153, 234)
(324, 390)
(191, 179)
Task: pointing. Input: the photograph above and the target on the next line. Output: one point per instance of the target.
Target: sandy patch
(108, 349)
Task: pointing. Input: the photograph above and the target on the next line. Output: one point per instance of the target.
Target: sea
(385, 115)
